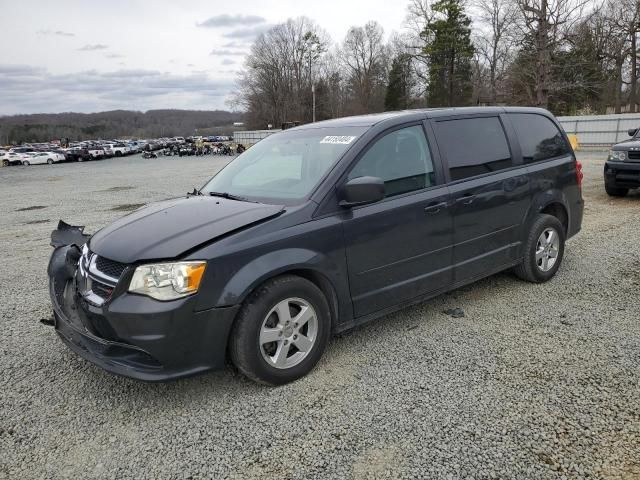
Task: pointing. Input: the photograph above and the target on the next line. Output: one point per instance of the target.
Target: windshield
(284, 167)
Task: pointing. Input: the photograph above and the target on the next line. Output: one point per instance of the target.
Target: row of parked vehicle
(33, 154)
(49, 153)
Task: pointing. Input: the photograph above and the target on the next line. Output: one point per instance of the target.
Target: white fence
(600, 130)
(249, 137)
(595, 131)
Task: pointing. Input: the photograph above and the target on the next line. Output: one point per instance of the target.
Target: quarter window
(474, 146)
(539, 138)
(401, 159)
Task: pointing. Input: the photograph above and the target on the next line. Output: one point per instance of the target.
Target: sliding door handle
(466, 199)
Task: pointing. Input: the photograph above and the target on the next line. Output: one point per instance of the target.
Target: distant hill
(43, 127)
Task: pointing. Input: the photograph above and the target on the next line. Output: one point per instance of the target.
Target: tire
(26, 163)
(532, 269)
(118, 153)
(615, 191)
(49, 161)
(5, 163)
(258, 360)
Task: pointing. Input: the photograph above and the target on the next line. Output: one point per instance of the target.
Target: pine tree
(450, 52)
(399, 86)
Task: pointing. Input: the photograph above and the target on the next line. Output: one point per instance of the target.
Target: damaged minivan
(313, 231)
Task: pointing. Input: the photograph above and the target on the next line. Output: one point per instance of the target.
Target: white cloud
(225, 20)
(91, 48)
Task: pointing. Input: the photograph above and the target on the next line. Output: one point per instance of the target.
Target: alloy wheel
(547, 249)
(288, 333)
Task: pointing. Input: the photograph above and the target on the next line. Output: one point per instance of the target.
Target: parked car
(96, 153)
(79, 154)
(12, 158)
(41, 158)
(622, 168)
(313, 231)
(117, 149)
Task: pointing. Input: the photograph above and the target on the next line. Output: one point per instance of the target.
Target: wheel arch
(312, 266)
(558, 210)
(550, 202)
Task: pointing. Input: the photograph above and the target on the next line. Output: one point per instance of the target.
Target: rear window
(539, 137)
(473, 146)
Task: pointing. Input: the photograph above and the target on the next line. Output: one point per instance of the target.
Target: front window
(284, 167)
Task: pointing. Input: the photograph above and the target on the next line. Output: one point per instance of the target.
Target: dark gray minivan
(315, 230)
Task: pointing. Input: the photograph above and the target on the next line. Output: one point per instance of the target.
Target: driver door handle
(435, 208)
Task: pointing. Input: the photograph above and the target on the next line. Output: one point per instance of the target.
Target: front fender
(269, 265)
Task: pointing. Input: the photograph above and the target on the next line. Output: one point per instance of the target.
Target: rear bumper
(622, 174)
(136, 336)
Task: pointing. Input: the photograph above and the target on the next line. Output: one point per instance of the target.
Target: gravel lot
(536, 381)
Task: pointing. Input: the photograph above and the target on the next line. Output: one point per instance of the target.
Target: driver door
(400, 247)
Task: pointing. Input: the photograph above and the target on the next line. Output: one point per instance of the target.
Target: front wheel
(543, 250)
(26, 163)
(615, 191)
(50, 161)
(281, 331)
(5, 163)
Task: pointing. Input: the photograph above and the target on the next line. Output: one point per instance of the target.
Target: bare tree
(419, 14)
(547, 23)
(275, 86)
(495, 39)
(366, 59)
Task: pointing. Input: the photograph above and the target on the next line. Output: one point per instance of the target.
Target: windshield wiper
(230, 196)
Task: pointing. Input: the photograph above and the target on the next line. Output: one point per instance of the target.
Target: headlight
(167, 281)
(617, 155)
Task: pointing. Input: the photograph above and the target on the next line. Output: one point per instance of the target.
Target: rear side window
(473, 146)
(539, 138)
(401, 159)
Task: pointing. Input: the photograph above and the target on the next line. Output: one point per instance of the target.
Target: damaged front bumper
(132, 335)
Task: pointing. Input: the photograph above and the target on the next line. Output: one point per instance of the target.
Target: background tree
(546, 24)
(400, 84)
(450, 53)
(495, 41)
(366, 58)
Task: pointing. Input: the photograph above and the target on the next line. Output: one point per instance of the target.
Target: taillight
(579, 174)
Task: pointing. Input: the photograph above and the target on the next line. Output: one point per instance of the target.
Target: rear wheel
(615, 191)
(281, 331)
(543, 250)
(5, 163)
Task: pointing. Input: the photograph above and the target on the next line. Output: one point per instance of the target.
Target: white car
(117, 149)
(39, 158)
(12, 158)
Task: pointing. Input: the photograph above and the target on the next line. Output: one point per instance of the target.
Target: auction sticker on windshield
(341, 139)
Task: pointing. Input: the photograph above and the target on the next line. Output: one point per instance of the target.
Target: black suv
(622, 168)
(78, 154)
(315, 230)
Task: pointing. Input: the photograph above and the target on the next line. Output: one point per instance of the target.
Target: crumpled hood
(168, 229)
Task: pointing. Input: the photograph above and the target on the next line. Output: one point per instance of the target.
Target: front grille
(109, 267)
(634, 155)
(101, 290)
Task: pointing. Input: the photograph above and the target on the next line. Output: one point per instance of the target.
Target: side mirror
(632, 131)
(360, 191)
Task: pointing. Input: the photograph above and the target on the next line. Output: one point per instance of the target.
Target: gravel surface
(535, 381)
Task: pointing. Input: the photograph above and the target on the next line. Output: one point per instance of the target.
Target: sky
(89, 56)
